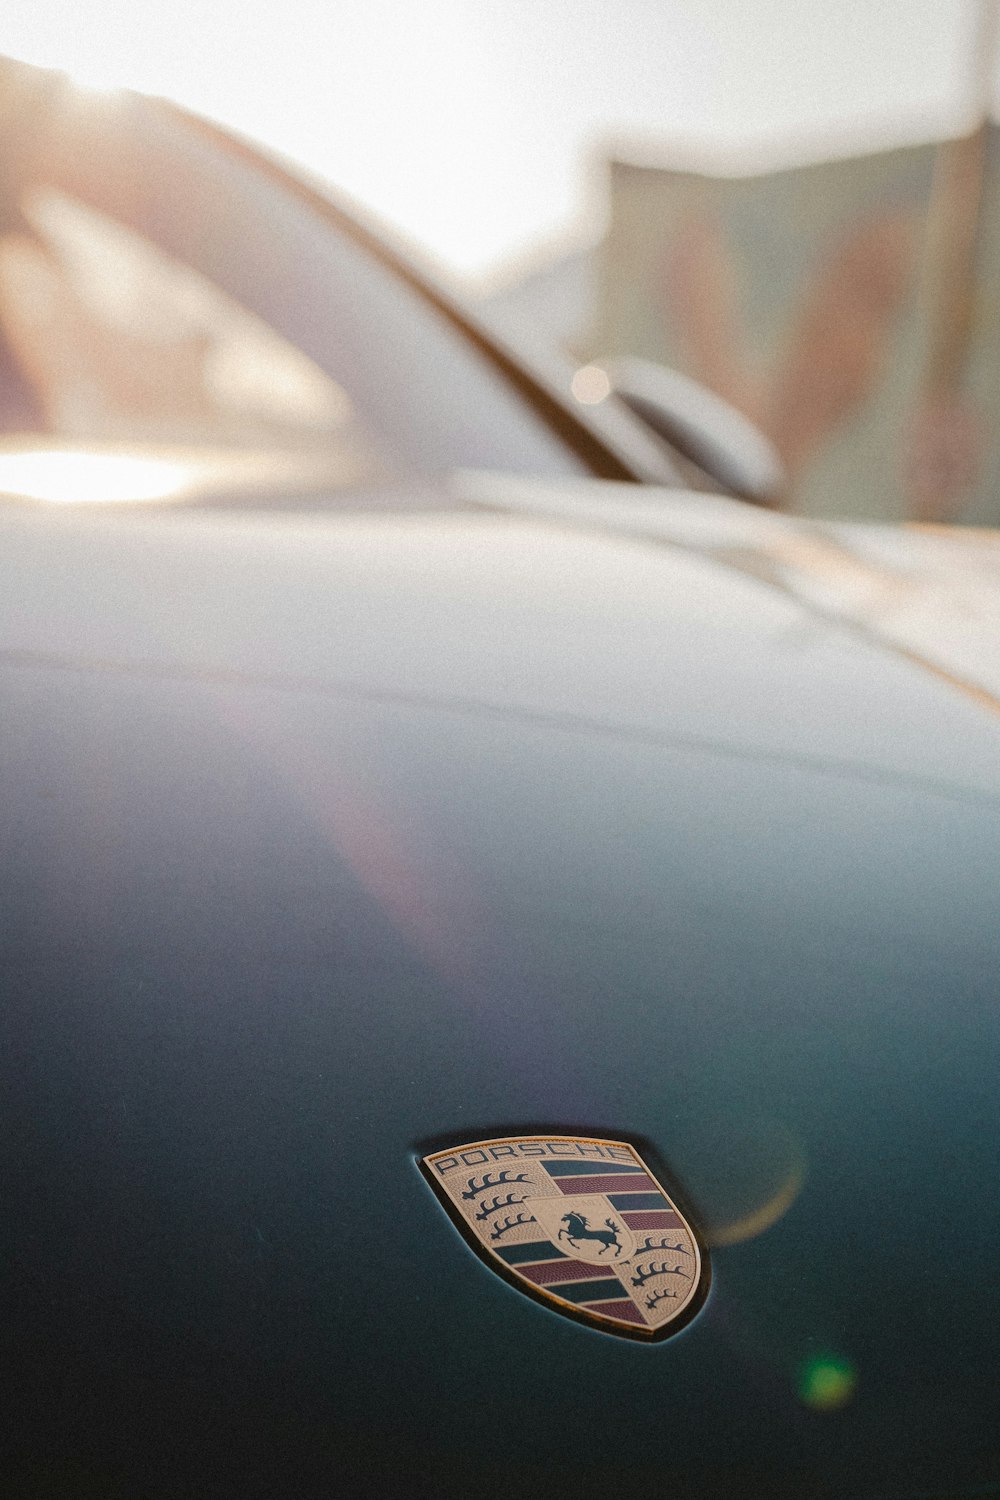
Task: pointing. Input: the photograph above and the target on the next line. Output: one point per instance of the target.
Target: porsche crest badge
(580, 1223)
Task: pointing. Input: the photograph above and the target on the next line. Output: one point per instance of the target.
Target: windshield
(159, 290)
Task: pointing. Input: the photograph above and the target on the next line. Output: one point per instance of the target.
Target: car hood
(335, 833)
(929, 592)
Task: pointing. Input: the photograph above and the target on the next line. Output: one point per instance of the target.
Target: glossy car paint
(334, 836)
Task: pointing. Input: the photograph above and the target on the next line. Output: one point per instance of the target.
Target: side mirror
(701, 426)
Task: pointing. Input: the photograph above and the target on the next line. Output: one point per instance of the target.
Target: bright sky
(471, 123)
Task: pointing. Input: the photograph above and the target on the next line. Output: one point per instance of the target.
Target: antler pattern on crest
(664, 1244)
(646, 1273)
(489, 1209)
(656, 1297)
(499, 1230)
(488, 1182)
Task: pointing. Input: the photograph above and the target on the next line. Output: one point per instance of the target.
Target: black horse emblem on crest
(577, 1229)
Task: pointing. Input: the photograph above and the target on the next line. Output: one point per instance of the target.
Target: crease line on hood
(566, 721)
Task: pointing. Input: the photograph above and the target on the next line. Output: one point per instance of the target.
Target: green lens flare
(827, 1382)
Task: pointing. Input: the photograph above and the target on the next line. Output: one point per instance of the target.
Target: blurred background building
(851, 307)
(825, 302)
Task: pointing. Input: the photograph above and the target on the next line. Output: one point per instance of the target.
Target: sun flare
(68, 477)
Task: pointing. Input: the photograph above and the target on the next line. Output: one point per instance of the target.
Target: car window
(119, 342)
(157, 287)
